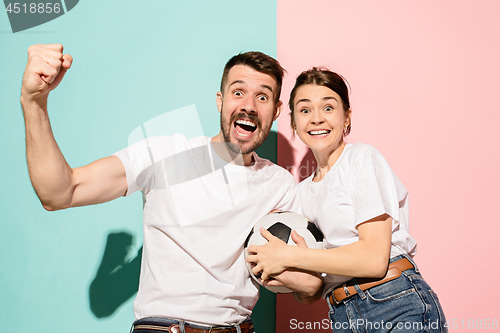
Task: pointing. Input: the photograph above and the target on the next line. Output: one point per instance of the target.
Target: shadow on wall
(286, 152)
(264, 312)
(288, 310)
(307, 165)
(116, 279)
(287, 159)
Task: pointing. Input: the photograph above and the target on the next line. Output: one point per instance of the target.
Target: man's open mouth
(244, 127)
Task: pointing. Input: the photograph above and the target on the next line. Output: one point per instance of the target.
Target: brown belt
(348, 290)
(175, 328)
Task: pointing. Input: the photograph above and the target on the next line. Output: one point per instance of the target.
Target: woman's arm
(307, 286)
(367, 257)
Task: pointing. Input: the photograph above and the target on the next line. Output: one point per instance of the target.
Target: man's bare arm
(57, 185)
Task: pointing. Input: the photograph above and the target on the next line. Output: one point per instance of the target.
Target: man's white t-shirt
(360, 186)
(198, 211)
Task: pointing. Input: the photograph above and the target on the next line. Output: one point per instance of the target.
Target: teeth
(319, 132)
(241, 134)
(245, 122)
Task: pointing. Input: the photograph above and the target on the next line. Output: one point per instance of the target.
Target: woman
(371, 282)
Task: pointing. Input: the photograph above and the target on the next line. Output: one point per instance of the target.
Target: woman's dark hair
(321, 77)
(261, 63)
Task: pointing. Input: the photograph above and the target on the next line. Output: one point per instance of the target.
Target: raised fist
(46, 67)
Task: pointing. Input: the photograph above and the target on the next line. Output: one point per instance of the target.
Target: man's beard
(241, 146)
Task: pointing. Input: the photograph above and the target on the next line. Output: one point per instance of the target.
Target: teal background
(132, 62)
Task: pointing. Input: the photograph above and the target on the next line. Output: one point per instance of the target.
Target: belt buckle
(332, 297)
(333, 300)
(175, 328)
(346, 290)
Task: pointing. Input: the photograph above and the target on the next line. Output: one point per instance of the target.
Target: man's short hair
(261, 63)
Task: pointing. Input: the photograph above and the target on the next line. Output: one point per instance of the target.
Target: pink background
(425, 79)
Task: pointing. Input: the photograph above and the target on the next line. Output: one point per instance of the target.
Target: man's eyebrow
(243, 82)
(268, 87)
(235, 82)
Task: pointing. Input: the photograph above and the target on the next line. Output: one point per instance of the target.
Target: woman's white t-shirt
(360, 186)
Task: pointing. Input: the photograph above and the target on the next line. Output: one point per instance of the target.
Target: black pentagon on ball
(313, 229)
(280, 230)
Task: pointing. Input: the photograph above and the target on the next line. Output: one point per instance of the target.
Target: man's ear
(279, 107)
(219, 101)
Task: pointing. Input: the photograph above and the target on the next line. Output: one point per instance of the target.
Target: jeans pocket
(403, 308)
(439, 310)
(391, 290)
(388, 296)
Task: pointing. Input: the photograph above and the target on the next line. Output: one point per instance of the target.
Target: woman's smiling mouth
(318, 132)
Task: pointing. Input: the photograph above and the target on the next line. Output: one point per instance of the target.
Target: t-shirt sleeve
(290, 201)
(137, 160)
(283, 189)
(376, 190)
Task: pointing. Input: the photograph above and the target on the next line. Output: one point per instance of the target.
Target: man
(202, 195)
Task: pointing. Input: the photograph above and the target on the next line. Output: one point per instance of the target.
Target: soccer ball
(281, 224)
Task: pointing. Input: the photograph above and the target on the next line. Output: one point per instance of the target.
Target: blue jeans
(406, 304)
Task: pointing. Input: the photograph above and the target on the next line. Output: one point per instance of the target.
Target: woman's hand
(274, 257)
(274, 260)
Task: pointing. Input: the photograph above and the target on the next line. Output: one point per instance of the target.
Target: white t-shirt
(198, 211)
(360, 186)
